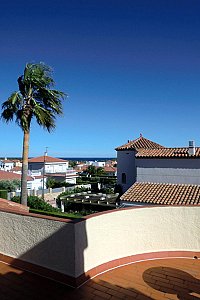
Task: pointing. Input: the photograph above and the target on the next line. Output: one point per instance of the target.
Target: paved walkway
(159, 279)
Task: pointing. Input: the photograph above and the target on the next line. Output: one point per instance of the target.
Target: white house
(50, 164)
(36, 183)
(96, 163)
(6, 164)
(5, 175)
(52, 167)
(110, 170)
(69, 176)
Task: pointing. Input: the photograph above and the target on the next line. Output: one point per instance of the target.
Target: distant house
(110, 170)
(17, 163)
(6, 164)
(142, 161)
(51, 165)
(5, 175)
(17, 170)
(36, 182)
(69, 176)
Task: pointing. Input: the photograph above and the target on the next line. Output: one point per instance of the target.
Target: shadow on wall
(173, 281)
(67, 266)
(55, 256)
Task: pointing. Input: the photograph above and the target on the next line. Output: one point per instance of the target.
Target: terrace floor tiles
(167, 279)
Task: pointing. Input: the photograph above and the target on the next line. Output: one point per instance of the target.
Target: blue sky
(128, 66)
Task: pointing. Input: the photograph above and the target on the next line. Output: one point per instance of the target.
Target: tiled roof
(16, 169)
(167, 152)
(110, 169)
(163, 194)
(81, 168)
(11, 176)
(140, 142)
(40, 159)
(10, 205)
(8, 161)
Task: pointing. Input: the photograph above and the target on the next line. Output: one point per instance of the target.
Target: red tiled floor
(157, 279)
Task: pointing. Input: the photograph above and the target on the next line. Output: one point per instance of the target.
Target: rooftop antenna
(46, 152)
(43, 175)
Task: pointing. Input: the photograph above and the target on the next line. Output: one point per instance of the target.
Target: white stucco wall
(40, 241)
(75, 248)
(126, 164)
(54, 167)
(134, 231)
(174, 170)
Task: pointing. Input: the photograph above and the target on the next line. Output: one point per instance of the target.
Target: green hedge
(4, 194)
(56, 214)
(37, 203)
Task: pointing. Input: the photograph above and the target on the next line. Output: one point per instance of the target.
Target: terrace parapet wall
(74, 251)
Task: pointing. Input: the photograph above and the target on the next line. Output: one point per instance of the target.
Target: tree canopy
(37, 99)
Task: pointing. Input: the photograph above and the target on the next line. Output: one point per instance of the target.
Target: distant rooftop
(40, 159)
(5, 175)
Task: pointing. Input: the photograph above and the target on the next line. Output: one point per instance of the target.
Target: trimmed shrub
(4, 194)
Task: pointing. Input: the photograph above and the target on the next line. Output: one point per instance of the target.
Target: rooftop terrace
(146, 253)
(154, 279)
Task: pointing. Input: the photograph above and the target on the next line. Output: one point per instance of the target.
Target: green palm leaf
(35, 99)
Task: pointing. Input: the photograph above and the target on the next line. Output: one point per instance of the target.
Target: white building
(142, 160)
(96, 163)
(6, 164)
(36, 165)
(36, 183)
(52, 167)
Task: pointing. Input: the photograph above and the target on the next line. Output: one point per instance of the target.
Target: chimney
(191, 148)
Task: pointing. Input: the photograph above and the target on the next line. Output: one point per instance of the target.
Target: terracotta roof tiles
(4, 175)
(16, 169)
(110, 169)
(140, 142)
(50, 159)
(167, 152)
(12, 206)
(163, 194)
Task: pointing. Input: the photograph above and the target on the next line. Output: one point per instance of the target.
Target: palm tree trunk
(24, 168)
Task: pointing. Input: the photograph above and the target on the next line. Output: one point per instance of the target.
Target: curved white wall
(75, 248)
(133, 231)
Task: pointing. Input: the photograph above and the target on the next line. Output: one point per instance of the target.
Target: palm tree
(34, 99)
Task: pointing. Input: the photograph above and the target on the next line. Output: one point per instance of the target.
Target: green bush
(52, 183)
(10, 185)
(4, 194)
(37, 203)
(107, 190)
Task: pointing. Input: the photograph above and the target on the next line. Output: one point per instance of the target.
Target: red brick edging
(76, 282)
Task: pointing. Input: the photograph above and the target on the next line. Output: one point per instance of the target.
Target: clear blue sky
(128, 66)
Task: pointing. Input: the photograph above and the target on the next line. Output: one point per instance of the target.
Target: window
(123, 177)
